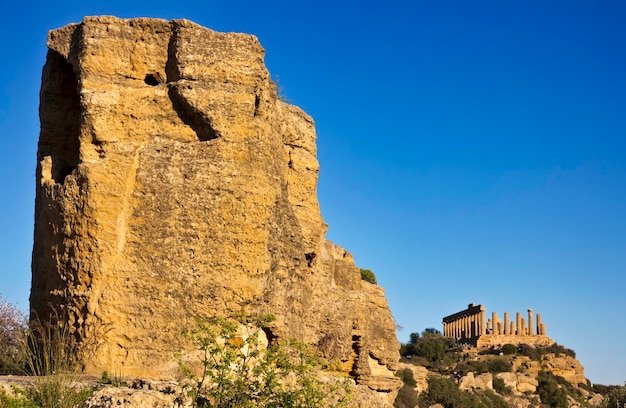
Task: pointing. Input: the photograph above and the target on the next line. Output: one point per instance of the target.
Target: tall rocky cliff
(173, 183)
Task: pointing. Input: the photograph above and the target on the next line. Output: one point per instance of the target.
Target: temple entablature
(471, 326)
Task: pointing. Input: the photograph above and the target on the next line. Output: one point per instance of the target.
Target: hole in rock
(152, 80)
(271, 337)
(309, 258)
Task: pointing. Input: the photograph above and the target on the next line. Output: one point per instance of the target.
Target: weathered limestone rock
(140, 395)
(519, 382)
(172, 183)
(476, 382)
(564, 366)
(526, 383)
(510, 379)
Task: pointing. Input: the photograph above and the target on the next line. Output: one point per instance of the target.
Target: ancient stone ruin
(471, 326)
(172, 183)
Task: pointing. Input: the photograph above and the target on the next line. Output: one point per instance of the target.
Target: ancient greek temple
(472, 326)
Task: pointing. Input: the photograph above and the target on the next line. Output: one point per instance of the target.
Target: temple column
(524, 330)
(506, 323)
(519, 330)
(531, 327)
(475, 326)
(483, 323)
(461, 327)
(464, 326)
(465, 321)
(494, 323)
(539, 331)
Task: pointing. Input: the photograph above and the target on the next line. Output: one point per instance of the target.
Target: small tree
(432, 345)
(238, 370)
(13, 335)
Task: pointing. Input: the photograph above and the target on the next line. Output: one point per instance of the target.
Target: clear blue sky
(470, 151)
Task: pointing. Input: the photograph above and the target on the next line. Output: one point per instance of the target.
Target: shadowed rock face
(172, 183)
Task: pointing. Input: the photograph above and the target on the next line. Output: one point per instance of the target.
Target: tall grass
(51, 357)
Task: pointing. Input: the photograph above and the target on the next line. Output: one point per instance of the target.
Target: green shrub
(549, 391)
(237, 371)
(509, 349)
(19, 401)
(489, 399)
(557, 350)
(406, 398)
(445, 392)
(406, 375)
(116, 380)
(500, 387)
(368, 276)
(529, 351)
(499, 365)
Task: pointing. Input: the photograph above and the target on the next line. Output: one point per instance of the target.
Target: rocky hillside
(514, 376)
(173, 183)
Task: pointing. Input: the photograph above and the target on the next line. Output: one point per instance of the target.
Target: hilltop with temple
(492, 362)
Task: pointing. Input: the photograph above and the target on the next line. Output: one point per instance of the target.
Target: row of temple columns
(469, 326)
(472, 323)
(519, 327)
